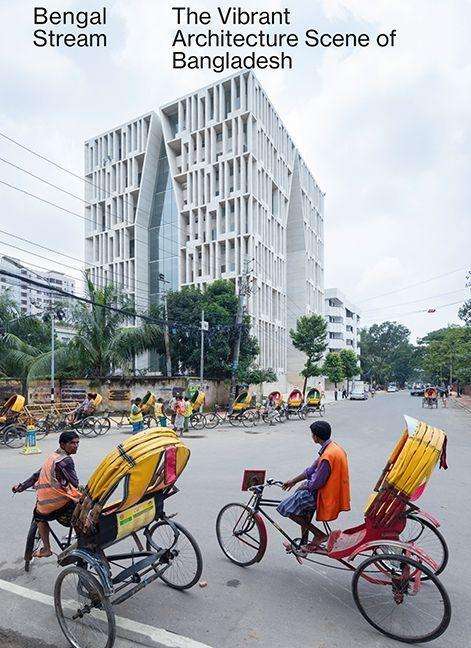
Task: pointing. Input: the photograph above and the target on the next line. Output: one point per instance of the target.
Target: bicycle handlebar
(269, 482)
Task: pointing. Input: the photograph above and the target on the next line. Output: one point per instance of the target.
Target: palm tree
(24, 342)
(105, 339)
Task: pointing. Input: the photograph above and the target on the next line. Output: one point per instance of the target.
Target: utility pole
(52, 357)
(204, 327)
(168, 357)
(244, 289)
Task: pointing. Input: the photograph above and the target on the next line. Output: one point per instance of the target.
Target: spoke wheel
(186, 565)
(83, 611)
(102, 426)
(211, 420)
(32, 544)
(14, 436)
(197, 421)
(241, 534)
(248, 419)
(397, 602)
(87, 428)
(426, 536)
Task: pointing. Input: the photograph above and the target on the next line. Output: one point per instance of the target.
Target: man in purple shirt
(301, 506)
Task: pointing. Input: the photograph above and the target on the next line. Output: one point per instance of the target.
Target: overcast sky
(386, 133)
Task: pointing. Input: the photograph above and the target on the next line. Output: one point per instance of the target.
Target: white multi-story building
(31, 299)
(343, 322)
(208, 188)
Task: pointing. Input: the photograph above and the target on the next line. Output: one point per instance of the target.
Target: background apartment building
(33, 300)
(208, 188)
(343, 322)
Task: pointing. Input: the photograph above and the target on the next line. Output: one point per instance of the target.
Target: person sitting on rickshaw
(325, 489)
(86, 408)
(56, 486)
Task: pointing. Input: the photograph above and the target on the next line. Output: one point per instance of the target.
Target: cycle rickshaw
(430, 398)
(295, 404)
(86, 424)
(395, 586)
(144, 469)
(12, 430)
(314, 402)
(242, 402)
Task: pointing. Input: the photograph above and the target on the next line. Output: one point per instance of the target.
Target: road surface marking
(159, 635)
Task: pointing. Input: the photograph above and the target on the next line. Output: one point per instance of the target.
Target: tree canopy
(446, 354)
(309, 337)
(386, 353)
(219, 303)
(333, 368)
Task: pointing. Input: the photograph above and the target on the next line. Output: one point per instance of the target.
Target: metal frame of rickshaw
(257, 501)
(100, 563)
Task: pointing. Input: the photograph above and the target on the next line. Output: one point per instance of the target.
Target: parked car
(417, 389)
(392, 387)
(358, 391)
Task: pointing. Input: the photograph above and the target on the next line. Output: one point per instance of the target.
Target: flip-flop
(38, 554)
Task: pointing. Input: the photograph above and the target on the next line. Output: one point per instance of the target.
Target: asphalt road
(277, 602)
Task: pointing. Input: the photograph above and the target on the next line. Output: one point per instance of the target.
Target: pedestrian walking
(159, 412)
(188, 411)
(179, 411)
(136, 417)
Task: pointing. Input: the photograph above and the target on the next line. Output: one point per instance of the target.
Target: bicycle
(400, 567)
(247, 418)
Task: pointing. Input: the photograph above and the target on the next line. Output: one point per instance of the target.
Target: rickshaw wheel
(33, 541)
(87, 427)
(14, 436)
(102, 425)
(425, 535)
(393, 600)
(197, 421)
(186, 566)
(77, 593)
(241, 534)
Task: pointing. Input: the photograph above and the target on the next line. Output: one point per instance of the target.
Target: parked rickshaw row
(89, 419)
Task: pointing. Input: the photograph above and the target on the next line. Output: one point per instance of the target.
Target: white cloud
(386, 132)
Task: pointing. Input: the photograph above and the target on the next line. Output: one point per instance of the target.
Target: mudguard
(93, 561)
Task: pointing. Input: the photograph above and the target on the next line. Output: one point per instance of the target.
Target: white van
(358, 391)
(392, 387)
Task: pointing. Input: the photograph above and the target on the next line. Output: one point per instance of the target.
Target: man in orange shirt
(325, 488)
(56, 485)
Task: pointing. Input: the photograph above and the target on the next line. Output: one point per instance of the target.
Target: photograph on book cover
(235, 311)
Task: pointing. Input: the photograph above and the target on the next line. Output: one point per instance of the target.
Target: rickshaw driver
(56, 486)
(326, 488)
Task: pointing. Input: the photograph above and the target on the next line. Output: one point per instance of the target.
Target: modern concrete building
(30, 299)
(343, 322)
(209, 187)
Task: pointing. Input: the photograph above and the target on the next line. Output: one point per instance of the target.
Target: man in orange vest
(325, 489)
(56, 488)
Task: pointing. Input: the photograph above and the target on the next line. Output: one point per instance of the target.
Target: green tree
(105, 340)
(219, 303)
(379, 345)
(349, 364)
(464, 312)
(446, 354)
(24, 342)
(333, 368)
(254, 375)
(310, 338)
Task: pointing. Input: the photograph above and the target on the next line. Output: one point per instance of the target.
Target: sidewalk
(464, 402)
